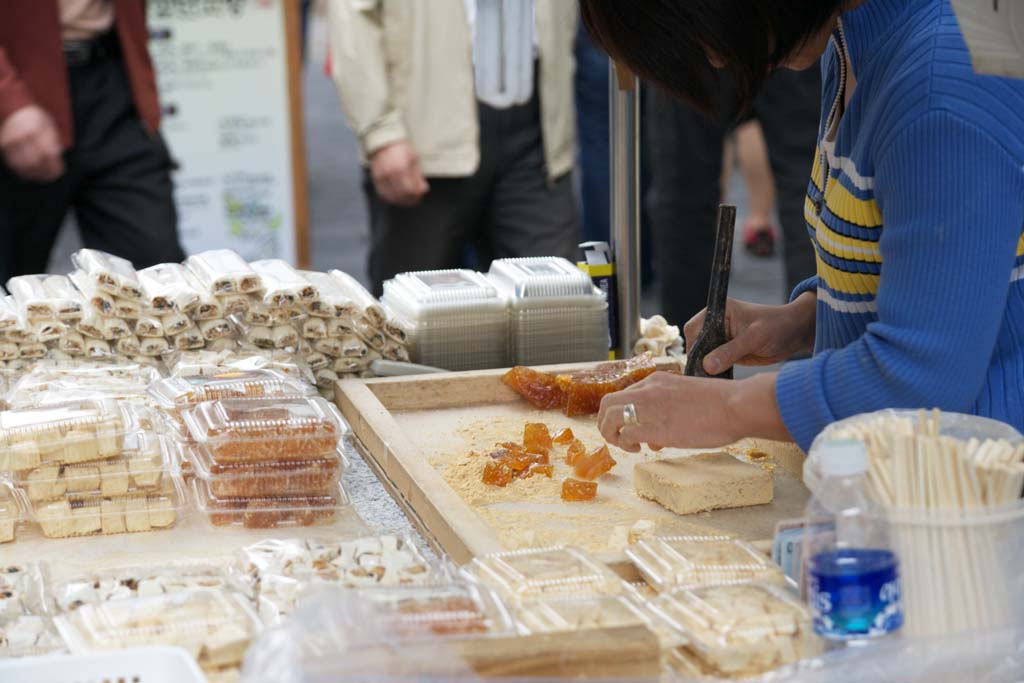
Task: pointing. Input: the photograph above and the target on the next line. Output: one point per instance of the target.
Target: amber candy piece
(565, 436)
(536, 438)
(574, 490)
(576, 451)
(521, 462)
(540, 389)
(584, 390)
(594, 465)
(498, 473)
(539, 468)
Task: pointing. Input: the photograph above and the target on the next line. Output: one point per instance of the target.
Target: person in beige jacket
(465, 117)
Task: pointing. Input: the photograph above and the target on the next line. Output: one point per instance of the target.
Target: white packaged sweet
(9, 351)
(100, 301)
(128, 345)
(29, 635)
(109, 273)
(174, 322)
(153, 346)
(370, 333)
(46, 296)
(8, 312)
(149, 326)
(215, 329)
(136, 582)
(236, 304)
(96, 348)
(209, 306)
(190, 340)
(333, 301)
(21, 589)
(284, 286)
(46, 330)
(127, 309)
(368, 305)
(167, 288)
(31, 351)
(222, 271)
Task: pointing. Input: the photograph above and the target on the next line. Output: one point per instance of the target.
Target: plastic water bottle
(853, 583)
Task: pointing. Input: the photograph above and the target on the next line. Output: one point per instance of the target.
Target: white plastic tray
(141, 665)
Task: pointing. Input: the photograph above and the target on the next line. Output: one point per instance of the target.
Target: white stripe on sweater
(1017, 274)
(841, 306)
(846, 165)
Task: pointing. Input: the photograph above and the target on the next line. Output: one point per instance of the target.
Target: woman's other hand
(758, 334)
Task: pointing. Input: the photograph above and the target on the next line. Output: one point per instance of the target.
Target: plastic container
(690, 561)
(48, 381)
(142, 467)
(259, 430)
(52, 297)
(742, 629)
(210, 362)
(269, 512)
(65, 434)
(72, 515)
(28, 635)
(214, 627)
(139, 665)
(175, 393)
(21, 589)
(222, 271)
(317, 477)
(128, 583)
(111, 274)
(522, 575)
(558, 615)
(10, 519)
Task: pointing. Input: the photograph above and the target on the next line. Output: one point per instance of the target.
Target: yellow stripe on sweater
(839, 245)
(847, 283)
(1020, 246)
(844, 205)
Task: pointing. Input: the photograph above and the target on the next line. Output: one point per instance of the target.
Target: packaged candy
(269, 512)
(368, 305)
(52, 297)
(110, 274)
(222, 271)
(333, 301)
(174, 393)
(285, 287)
(526, 574)
(167, 288)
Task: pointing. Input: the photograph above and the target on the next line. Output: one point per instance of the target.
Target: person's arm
(29, 142)
(953, 202)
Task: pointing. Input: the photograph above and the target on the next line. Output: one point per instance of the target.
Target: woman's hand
(689, 412)
(759, 335)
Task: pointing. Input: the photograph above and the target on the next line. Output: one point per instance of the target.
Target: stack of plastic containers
(556, 315)
(686, 561)
(453, 319)
(266, 462)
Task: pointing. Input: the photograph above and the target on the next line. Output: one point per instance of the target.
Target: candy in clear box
(558, 615)
(222, 271)
(174, 393)
(316, 477)
(284, 285)
(253, 430)
(214, 626)
(111, 274)
(22, 589)
(29, 635)
(51, 297)
(211, 362)
(671, 561)
(66, 434)
(269, 512)
(741, 629)
(73, 516)
(126, 583)
(167, 288)
(522, 575)
(10, 518)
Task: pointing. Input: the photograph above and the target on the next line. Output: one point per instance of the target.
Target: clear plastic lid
(222, 271)
(741, 628)
(10, 516)
(143, 467)
(167, 288)
(102, 377)
(269, 512)
(542, 278)
(65, 434)
(695, 560)
(214, 626)
(21, 589)
(73, 516)
(210, 362)
(252, 430)
(316, 477)
(126, 583)
(284, 285)
(333, 300)
(111, 274)
(418, 297)
(557, 615)
(28, 635)
(526, 574)
(180, 392)
(46, 296)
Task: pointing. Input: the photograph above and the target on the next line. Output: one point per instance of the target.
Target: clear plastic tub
(28, 635)
(209, 362)
(522, 575)
(65, 434)
(541, 278)
(255, 430)
(52, 297)
(317, 477)
(175, 393)
(21, 589)
(690, 561)
(742, 629)
(142, 467)
(48, 380)
(558, 615)
(222, 271)
(73, 516)
(111, 274)
(269, 512)
(215, 627)
(10, 518)
(127, 583)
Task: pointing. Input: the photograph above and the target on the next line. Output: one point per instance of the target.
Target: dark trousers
(686, 162)
(117, 181)
(508, 208)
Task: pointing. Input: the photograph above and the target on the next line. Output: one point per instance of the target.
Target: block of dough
(112, 516)
(709, 481)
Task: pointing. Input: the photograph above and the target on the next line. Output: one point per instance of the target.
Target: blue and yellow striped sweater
(916, 210)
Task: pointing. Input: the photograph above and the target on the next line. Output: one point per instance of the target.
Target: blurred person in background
(79, 130)
(465, 117)
(746, 152)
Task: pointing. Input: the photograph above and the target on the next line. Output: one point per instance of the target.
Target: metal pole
(624, 124)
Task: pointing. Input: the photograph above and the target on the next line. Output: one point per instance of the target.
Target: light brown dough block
(709, 481)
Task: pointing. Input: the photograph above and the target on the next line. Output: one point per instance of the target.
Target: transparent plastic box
(50, 380)
(29, 635)
(72, 516)
(269, 512)
(21, 589)
(111, 274)
(317, 477)
(222, 271)
(671, 561)
(175, 393)
(522, 575)
(126, 583)
(142, 467)
(558, 615)
(742, 629)
(254, 430)
(65, 434)
(215, 627)
(210, 362)
(10, 519)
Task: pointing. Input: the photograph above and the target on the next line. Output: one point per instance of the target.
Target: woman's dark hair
(668, 42)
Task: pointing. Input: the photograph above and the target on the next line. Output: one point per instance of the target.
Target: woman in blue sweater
(915, 206)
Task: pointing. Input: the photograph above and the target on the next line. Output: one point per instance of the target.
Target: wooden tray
(413, 429)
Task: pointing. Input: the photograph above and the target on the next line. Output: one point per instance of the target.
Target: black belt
(85, 52)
